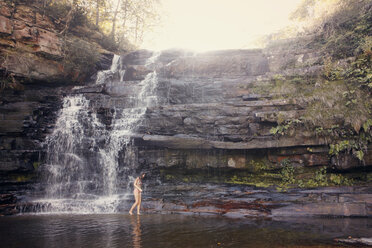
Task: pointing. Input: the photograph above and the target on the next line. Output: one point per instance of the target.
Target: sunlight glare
(203, 25)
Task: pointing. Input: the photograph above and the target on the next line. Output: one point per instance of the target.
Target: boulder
(5, 10)
(356, 241)
(6, 25)
(25, 66)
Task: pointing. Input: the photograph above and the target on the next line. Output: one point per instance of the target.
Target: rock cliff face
(34, 79)
(32, 45)
(205, 103)
(204, 127)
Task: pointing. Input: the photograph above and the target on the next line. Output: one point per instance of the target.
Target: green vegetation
(263, 181)
(80, 57)
(284, 125)
(311, 178)
(259, 165)
(319, 179)
(287, 173)
(282, 177)
(341, 33)
(338, 179)
(61, 9)
(124, 22)
(337, 104)
(36, 165)
(22, 178)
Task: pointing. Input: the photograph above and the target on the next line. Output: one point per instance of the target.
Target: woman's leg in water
(139, 203)
(136, 196)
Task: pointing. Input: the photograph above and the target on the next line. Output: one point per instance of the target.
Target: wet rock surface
(34, 81)
(205, 102)
(356, 241)
(8, 204)
(196, 122)
(251, 202)
(239, 201)
(26, 118)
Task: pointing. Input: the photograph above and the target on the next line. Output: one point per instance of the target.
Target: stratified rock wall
(206, 102)
(32, 45)
(33, 80)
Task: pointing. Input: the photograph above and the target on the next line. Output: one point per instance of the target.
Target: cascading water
(81, 173)
(116, 68)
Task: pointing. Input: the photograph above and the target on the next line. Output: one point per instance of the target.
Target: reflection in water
(136, 234)
(160, 231)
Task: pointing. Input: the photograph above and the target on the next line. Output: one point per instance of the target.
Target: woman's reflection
(136, 224)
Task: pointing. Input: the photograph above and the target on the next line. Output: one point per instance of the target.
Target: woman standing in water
(137, 194)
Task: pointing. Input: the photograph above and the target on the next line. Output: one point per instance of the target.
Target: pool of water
(156, 230)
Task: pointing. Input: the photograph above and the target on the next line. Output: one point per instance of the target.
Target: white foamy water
(81, 174)
(116, 70)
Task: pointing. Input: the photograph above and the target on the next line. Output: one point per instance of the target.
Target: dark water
(173, 231)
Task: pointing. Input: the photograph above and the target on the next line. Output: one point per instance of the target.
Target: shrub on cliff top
(81, 57)
(61, 10)
(341, 33)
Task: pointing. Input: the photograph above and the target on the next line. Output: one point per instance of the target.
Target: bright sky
(203, 25)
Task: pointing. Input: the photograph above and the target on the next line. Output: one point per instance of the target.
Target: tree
(136, 17)
(97, 12)
(114, 18)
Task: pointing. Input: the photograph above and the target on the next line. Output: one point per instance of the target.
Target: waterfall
(116, 68)
(81, 173)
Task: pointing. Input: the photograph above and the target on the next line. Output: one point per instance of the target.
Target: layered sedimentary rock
(34, 80)
(206, 117)
(245, 201)
(205, 102)
(32, 45)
